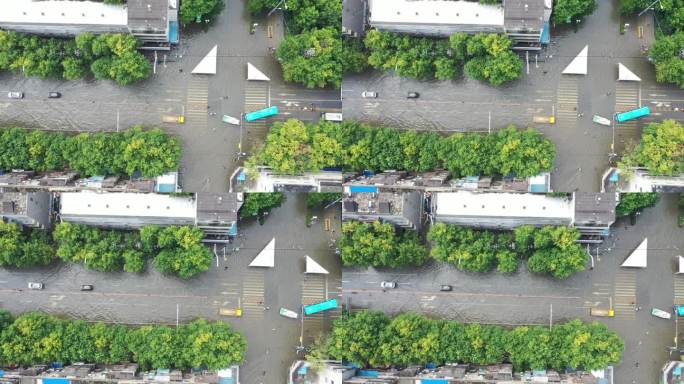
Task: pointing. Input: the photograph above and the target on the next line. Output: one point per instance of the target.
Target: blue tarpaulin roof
(233, 230)
(434, 381)
(368, 373)
(363, 188)
(546, 34)
(226, 380)
(242, 176)
(2, 373)
(55, 380)
(166, 188)
(173, 32)
(538, 188)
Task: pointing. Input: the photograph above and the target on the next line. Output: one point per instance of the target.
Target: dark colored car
(413, 95)
(54, 95)
(87, 287)
(445, 288)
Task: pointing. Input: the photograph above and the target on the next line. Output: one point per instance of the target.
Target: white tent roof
(265, 258)
(637, 258)
(255, 74)
(313, 267)
(681, 264)
(578, 65)
(624, 74)
(208, 64)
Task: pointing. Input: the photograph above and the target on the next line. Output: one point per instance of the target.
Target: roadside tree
(200, 11)
(631, 203)
(570, 11)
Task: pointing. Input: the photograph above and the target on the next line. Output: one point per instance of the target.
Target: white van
(331, 116)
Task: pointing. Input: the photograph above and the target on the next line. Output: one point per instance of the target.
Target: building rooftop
(62, 12)
(12, 203)
(595, 208)
(435, 12)
(505, 205)
(126, 204)
(523, 14)
(148, 15)
(218, 208)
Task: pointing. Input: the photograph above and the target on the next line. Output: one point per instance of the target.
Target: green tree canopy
(380, 245)
(24, 248)
(661, 149)
(37, 338)
(258, 204)
(319, 58)
(568, 11)
(199, 11)
(630, 203)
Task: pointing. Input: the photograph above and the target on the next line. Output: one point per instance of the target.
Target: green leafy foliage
(661, 149)
(380, 245)
(319, 58)
(293, 147)
(23, 249)
(181, 252)
(483, 56)
(631, 203)
(149, 152)
(568, 11)
(176, 250)
(303, 15)
(356, 337)
(415, 339)
(321, 199)
(551, 250)
(258, 204)
(37, 338)
(107, 56)
(199, 11)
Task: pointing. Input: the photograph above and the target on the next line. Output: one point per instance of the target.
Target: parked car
(660, 313)
(87, 287)
(388, 284)
(369, 94)
(35, 285)
(445, 288)
(288, 313)
(54, 95)
(413, 95)
(15, 95)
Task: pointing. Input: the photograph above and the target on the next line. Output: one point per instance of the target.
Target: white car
(388, 284)
(15, 95)
(660, 313)
(369, 94)
(288, 313)
(35, 285)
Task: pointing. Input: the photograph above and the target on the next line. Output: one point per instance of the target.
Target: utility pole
(274, 8)
(649, 7)
(527, 59)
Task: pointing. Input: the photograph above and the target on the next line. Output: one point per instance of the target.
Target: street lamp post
(275, 8)
(649, 7)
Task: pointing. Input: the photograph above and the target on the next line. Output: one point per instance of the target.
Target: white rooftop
(505, 205)
(122, 204)
(62, 12)
(435, 11)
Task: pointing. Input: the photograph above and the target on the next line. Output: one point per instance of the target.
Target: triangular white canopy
(208, 64)
(578, 65)
(624, 74)
(313, 267)
(681, 264)
(255, 74)
(265, 258)
(637, 259)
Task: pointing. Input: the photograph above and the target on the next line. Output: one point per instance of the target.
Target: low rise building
(154, 22)
(368, 204)
(216, 214)
(301, 372)
(128, 373)
(264, 179)
(30, 209)
(591, 213)
(525, 21)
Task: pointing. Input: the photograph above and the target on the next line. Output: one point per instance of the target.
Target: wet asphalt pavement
(153, 298)
(524, 298)
(209, 146)
(469, 105)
